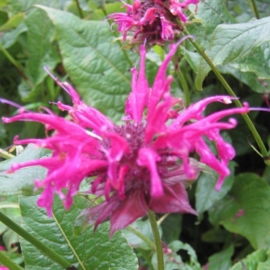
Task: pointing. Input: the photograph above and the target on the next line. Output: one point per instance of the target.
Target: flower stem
(249, 123)
(79, 9)
(159, 250)
(8, 262)
(255, 9)
(34, 241)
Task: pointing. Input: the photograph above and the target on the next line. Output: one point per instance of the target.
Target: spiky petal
(140, 165)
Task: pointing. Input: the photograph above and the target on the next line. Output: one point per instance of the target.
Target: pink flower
(140, 165)
(3, 268)
(154, 20)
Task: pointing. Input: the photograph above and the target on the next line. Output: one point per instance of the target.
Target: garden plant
(135, 135)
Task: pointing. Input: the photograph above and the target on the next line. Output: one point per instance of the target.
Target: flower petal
(133, 207)
(148, 158)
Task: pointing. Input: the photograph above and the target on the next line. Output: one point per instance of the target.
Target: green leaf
(230, 43)
(97, 67)
(40, 35)
(213, 13)
(90, 250)
(221, 260)
(258, 260)
(248, 78)
(12, 22)
(22, 181)
(258, 62)
(246, 210)
(9, 38)
(206, 194)
(171, 227)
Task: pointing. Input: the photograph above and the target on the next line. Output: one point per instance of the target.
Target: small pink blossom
(154, 20)
(140, 165)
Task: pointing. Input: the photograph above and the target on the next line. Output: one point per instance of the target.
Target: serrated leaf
(246, 210)
(22, 181)
(97, 66)
(213, 13)
(90, 250)
(40, 35)
(206, 194)
(230, 43)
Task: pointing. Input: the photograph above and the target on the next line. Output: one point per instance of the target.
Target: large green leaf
(213, 13)
(246, 210)
(40, 35)
(230, 43)
(22, 181)
(97, 67)
(89, 250)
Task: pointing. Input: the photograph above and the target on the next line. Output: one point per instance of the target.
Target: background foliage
(78, 44)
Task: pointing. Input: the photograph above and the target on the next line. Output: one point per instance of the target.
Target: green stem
(79, 9)
(17, 65)
(249, 123)
(142, 236)
(184, 85)
(255, 9)
(34, 241)
(6, 155)
(158, 243)
(6, 261)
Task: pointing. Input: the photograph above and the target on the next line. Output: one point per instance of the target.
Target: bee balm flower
(140, 165)
(154, 20)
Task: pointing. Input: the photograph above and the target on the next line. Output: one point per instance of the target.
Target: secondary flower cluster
(140, 165)
(154, 20)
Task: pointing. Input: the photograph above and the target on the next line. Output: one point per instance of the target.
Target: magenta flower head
(153, 20)
(140, 165)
